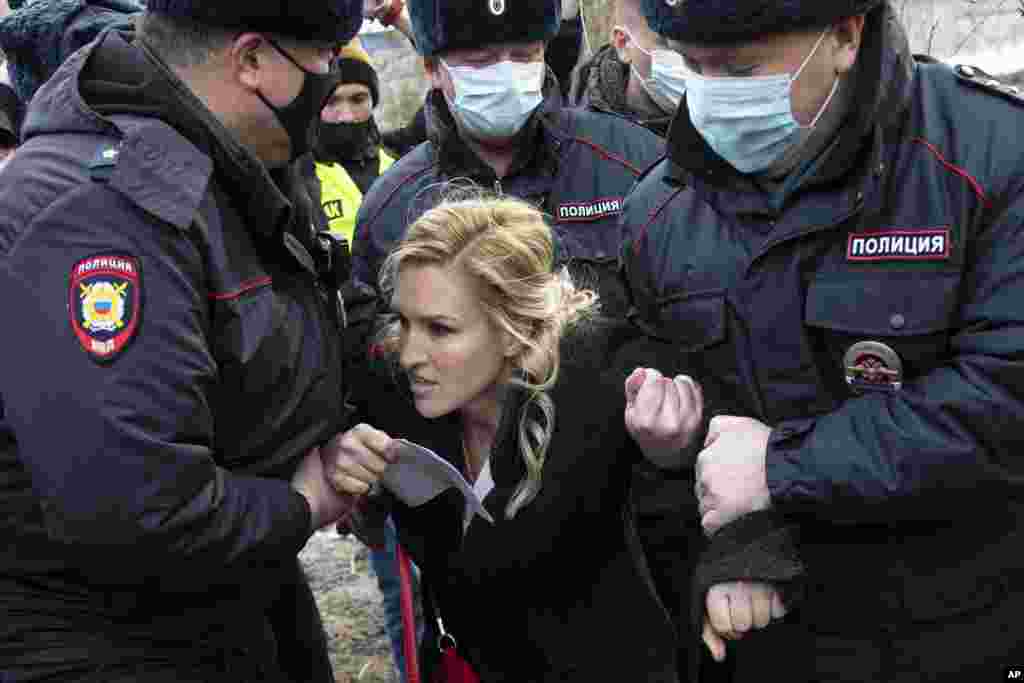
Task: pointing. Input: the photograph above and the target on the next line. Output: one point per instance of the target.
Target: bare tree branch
(931, 36)
(981, 20)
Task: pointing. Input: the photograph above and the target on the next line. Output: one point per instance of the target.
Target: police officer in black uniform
(495, 117)
(171, 369)
(836, 237)
(634, 75)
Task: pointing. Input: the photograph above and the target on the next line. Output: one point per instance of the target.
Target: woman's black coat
(561, 592)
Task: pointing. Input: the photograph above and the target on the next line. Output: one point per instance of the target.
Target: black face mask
(348, 141)
(299, 116)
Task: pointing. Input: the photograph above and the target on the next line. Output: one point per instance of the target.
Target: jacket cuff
(788, 484)
(368, 520)
(304, 512)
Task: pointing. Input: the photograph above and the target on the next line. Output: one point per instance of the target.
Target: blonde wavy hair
(508, 249)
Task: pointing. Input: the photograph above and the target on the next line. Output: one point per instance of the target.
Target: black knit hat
(353, 63)
(712, 22)
(323, 21)
(440, 25)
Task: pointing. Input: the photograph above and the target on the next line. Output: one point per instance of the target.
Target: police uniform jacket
(561, 591)
(906, 232)
(176, 353)
(576, 165)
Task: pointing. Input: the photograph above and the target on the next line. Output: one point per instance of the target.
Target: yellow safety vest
(341, 196)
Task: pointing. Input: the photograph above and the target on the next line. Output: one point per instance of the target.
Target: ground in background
(346, 591)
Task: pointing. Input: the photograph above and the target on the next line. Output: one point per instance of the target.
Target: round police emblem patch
(105, 304)
(873, 366)
(497, 7)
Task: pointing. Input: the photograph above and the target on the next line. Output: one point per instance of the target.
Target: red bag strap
(412, 660)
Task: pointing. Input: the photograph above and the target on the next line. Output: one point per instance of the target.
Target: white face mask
(749, 121)
(667, 83)
(495, 101)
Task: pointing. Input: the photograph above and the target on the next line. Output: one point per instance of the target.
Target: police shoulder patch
(972, 75)
(105, 304)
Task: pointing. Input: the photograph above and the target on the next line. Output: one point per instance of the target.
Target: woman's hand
(663, 415)
(734, 608)
(356, 460)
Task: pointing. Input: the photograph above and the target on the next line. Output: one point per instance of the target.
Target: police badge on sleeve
(105, 304)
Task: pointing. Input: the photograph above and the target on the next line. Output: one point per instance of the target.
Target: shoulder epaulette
(974, 76)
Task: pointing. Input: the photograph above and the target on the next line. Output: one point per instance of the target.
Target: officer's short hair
(179, 41)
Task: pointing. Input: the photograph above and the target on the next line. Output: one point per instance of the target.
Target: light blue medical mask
(667, 83)
(495, 101)
(668, 75)
(748, 121)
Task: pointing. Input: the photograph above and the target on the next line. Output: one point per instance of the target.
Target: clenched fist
(663, 414)
(356, 460)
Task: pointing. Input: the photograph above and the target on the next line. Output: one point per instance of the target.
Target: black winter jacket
(147, 438)
(561, 592)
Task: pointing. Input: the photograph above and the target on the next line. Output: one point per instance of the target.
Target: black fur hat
(716, 22)
(440, 25)
(321, 21)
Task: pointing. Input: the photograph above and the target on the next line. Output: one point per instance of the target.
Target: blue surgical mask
(495, 101)
(748, 121)
(668, 76)
(667, 83)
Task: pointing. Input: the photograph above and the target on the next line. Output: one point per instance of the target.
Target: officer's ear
(848, 33)
(249, 57)
(430, 66)
(619, 39)
(437, 75)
